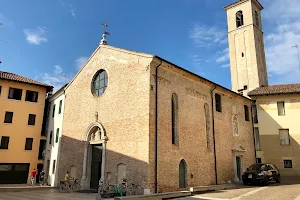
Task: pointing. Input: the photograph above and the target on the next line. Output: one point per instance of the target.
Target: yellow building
(277, 127)
(277, 107)
(22, 139)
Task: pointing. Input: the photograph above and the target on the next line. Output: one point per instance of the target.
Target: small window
(100, 83)
(28, 143)
(288, 164)
(281, 108)
(0, 89)
(284, 137)
(8, 117)
(258, 160)
(245, 87)
(57, 135)
(242, 54)
(15, 93)
(53, 166)
(4, 142)
(218, 102)
(31, 96)
(246, 111)
(53, 110)
(31, 119)
(257, 139)
(50, 137)
(239, 19)
(60, 106)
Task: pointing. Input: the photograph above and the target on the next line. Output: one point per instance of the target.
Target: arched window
(235, 129)
(121, 172)
(175, 137)
(100, 82)
(73, 171)
(207, 123)
(239, 19)
(256, 19)
(183, 174)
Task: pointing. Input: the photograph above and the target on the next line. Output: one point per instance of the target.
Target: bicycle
(65, 187)
(132, 189)
(107, 190)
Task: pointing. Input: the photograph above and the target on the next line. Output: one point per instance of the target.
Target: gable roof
(158, 57)
(14, 77)
(275, 90)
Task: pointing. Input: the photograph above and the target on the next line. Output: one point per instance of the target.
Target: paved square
(47, 194)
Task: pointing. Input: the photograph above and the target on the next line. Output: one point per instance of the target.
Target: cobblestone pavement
(271, 192)
(47, 194)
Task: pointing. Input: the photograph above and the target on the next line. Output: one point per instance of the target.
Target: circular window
(100, 83)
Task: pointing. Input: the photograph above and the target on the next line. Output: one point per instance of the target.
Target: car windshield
(257, 167)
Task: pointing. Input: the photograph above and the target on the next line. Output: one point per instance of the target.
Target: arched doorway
(94, 156)
(182, 174)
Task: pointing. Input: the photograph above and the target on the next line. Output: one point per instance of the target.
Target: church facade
(138, 116)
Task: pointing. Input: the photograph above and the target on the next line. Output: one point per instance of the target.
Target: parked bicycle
(107, 190)
(132, 188)
(65, 187)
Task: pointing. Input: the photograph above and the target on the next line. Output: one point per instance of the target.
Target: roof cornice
(241, 2)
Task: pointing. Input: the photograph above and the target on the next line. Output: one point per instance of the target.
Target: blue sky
(49, 40)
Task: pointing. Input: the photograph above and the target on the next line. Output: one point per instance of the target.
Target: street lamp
(297, 47)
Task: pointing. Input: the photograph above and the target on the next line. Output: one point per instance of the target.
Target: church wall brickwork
(123, 111)
(193, 92)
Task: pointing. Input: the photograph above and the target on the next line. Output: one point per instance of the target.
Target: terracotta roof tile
(276, 89)
(22, 79)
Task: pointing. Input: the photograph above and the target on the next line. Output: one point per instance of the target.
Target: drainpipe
(213, 132)
(156, 125)
(253, 129)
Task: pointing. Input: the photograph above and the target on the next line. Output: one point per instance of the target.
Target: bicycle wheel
(62, 187)
(76, 187)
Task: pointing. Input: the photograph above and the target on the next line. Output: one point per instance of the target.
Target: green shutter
(53, 111)
(60, 105)
(57, 135)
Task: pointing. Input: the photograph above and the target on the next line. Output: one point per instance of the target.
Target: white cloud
(58, 69)
(223, 56)
(68, 7)
(72, 10)
(57, 79)
(204, 35)
(282, 58)
(79, 62)
(35, 36)
(196, 59)
(225, 65)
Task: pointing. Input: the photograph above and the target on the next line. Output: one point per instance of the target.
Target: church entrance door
(96, 165)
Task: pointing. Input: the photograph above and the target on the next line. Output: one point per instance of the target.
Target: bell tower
(246, 46)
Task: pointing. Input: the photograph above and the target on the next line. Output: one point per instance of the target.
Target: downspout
(156, 126)
(213, 132)
(253, 129)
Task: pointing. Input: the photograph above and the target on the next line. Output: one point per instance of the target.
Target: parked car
(261, 173)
